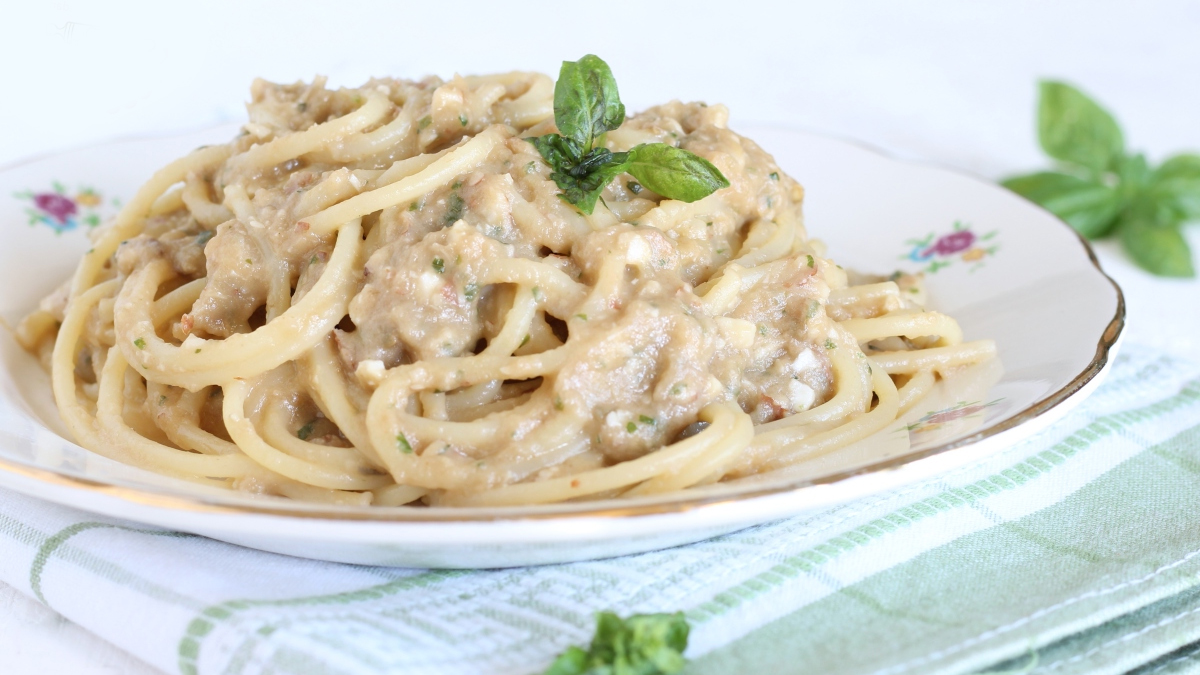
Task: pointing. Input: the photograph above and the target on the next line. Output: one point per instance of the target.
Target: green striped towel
(1073, 552)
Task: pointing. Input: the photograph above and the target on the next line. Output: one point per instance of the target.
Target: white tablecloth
(947, 82)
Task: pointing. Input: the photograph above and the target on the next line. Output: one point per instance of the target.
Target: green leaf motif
(586, 102)
(1176, 184)
(674, 173)
(643, 644)
(1157, 249)
(1075, 129)
(1090, 208)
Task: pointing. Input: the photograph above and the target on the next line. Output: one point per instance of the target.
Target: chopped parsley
(631, 427)
(455, 206)
(305, 431)
(439, 265)
(197, 350)
(403, 444)
(140, 343)
(646, 419)
(524, 341)
(811, 262)
(774, 175)
(582, 317)
(558, 403)
(202, 238)
(424, 122)
(830, 344)
(414, 206)
(634, 187)
(762, 329)
(462, 120)
(678, 388)
(470, 290)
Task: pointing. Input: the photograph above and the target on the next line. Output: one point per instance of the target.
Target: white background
(947, 82)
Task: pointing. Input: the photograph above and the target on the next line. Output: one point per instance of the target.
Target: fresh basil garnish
(586, 102)
(674, 173)
(1176, 185)
(1161, 250)
(1089, 207)
(643, 644)
(1100, 189)
(1075, 129)
(586, 107)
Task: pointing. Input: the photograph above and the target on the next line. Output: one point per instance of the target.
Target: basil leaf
(586, 102)
(1090, 208)
(1157, 249)
(644, 644)
(586, 107)
(594, 160)
(1176, 184)
(582, 184)
(556, 150)
(674, 173)
(571, 662)
(1075, 129)
(1133, 175)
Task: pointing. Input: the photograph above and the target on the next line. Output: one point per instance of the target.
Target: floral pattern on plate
(960, 244)
(935, 420)
(62, 209)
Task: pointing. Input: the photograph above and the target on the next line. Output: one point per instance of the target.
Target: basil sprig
(643, 644)
(1100, 189)
(586, 107)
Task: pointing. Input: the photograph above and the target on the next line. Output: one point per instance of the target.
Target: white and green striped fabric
(1075, 552)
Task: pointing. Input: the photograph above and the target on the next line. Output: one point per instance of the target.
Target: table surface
(946, 82)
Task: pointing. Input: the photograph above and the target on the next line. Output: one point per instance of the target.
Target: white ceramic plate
(1003, 267)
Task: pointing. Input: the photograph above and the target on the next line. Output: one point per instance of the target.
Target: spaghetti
(376, 296)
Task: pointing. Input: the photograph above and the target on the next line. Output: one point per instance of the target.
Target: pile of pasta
(377, 296)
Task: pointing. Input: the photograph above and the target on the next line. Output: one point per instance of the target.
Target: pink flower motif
(952, 243)
(56, 206)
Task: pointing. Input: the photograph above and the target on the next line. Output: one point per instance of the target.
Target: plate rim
(201, 504)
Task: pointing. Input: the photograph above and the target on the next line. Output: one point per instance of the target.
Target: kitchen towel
(1075, 551)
